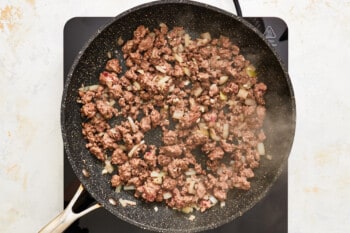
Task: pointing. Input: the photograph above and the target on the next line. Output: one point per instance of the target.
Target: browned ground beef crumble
(201, 93)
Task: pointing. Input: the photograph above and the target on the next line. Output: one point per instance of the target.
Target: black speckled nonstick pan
(196, 18)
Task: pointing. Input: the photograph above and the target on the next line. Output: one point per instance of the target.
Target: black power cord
(238, 8)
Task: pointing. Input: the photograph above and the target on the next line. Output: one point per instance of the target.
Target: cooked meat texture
(113, 65)
(217, 153)
(194, 92)
(170, 137)
(171, 151)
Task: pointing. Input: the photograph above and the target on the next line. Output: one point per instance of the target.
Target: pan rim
(196, 4)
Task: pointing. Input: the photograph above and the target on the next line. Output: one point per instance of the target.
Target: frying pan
(196, 18)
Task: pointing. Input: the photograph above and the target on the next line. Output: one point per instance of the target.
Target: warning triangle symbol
(269, 33)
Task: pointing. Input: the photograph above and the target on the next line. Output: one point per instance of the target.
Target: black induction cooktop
(270, 215)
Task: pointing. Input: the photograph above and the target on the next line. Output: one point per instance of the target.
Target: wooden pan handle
(67, 216)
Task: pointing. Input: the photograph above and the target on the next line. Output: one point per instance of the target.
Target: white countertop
(31, 69)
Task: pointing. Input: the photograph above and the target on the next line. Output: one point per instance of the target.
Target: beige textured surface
(31, 68)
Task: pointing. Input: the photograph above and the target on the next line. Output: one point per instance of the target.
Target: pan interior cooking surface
(196, 19)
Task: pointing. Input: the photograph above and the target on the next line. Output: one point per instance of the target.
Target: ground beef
(89, 110)
(171, 151)
(118, 157)
(198, 94)
(113, 65)
(170, 137)
(115, 181)
(163, 160)
(145, 124)
(124, 171)
(177, 167)
(155, 118)
(150, 158)
(149, 191)
(169, 184)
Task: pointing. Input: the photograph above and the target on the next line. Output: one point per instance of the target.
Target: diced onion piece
(89, 88)
(186, 71)
(190, 172)
(231, 102)
(118, 188)
(202, 125)
(129, 187)
(223, 79)
(137, 86)
(86, 173)
(191, 187)
(112, 201)
(174, 48)
(111, 102)
(140, 71)
(213, 200)
(171, 88)
(187, 209)
(124, 202)
(196, 207)
(192, 102)
(155, 209)
(251, 71)
(109, 54)
(120, 41)
(204, 132)
(178, 114)
(163, 80)
(247, 85)
(187, 82)
(261, 148)
(225, 130)
(269, 157)
(167, 195)
(213, 89)
(203, 108)
(155, 174)
(223, 97)
(197, 92)
(242, 93)
(250, 102)
(202, 42)
(206, 35)
(175, 100)
(132, 151)
(213, 135)
(178, 58)
(222, 204)
(160, 69)
(187, 39)
(108, 167)
(180, 48)
(122, 147)
(158, 180)
(132, 124)
(203, 129)
(192, 217)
